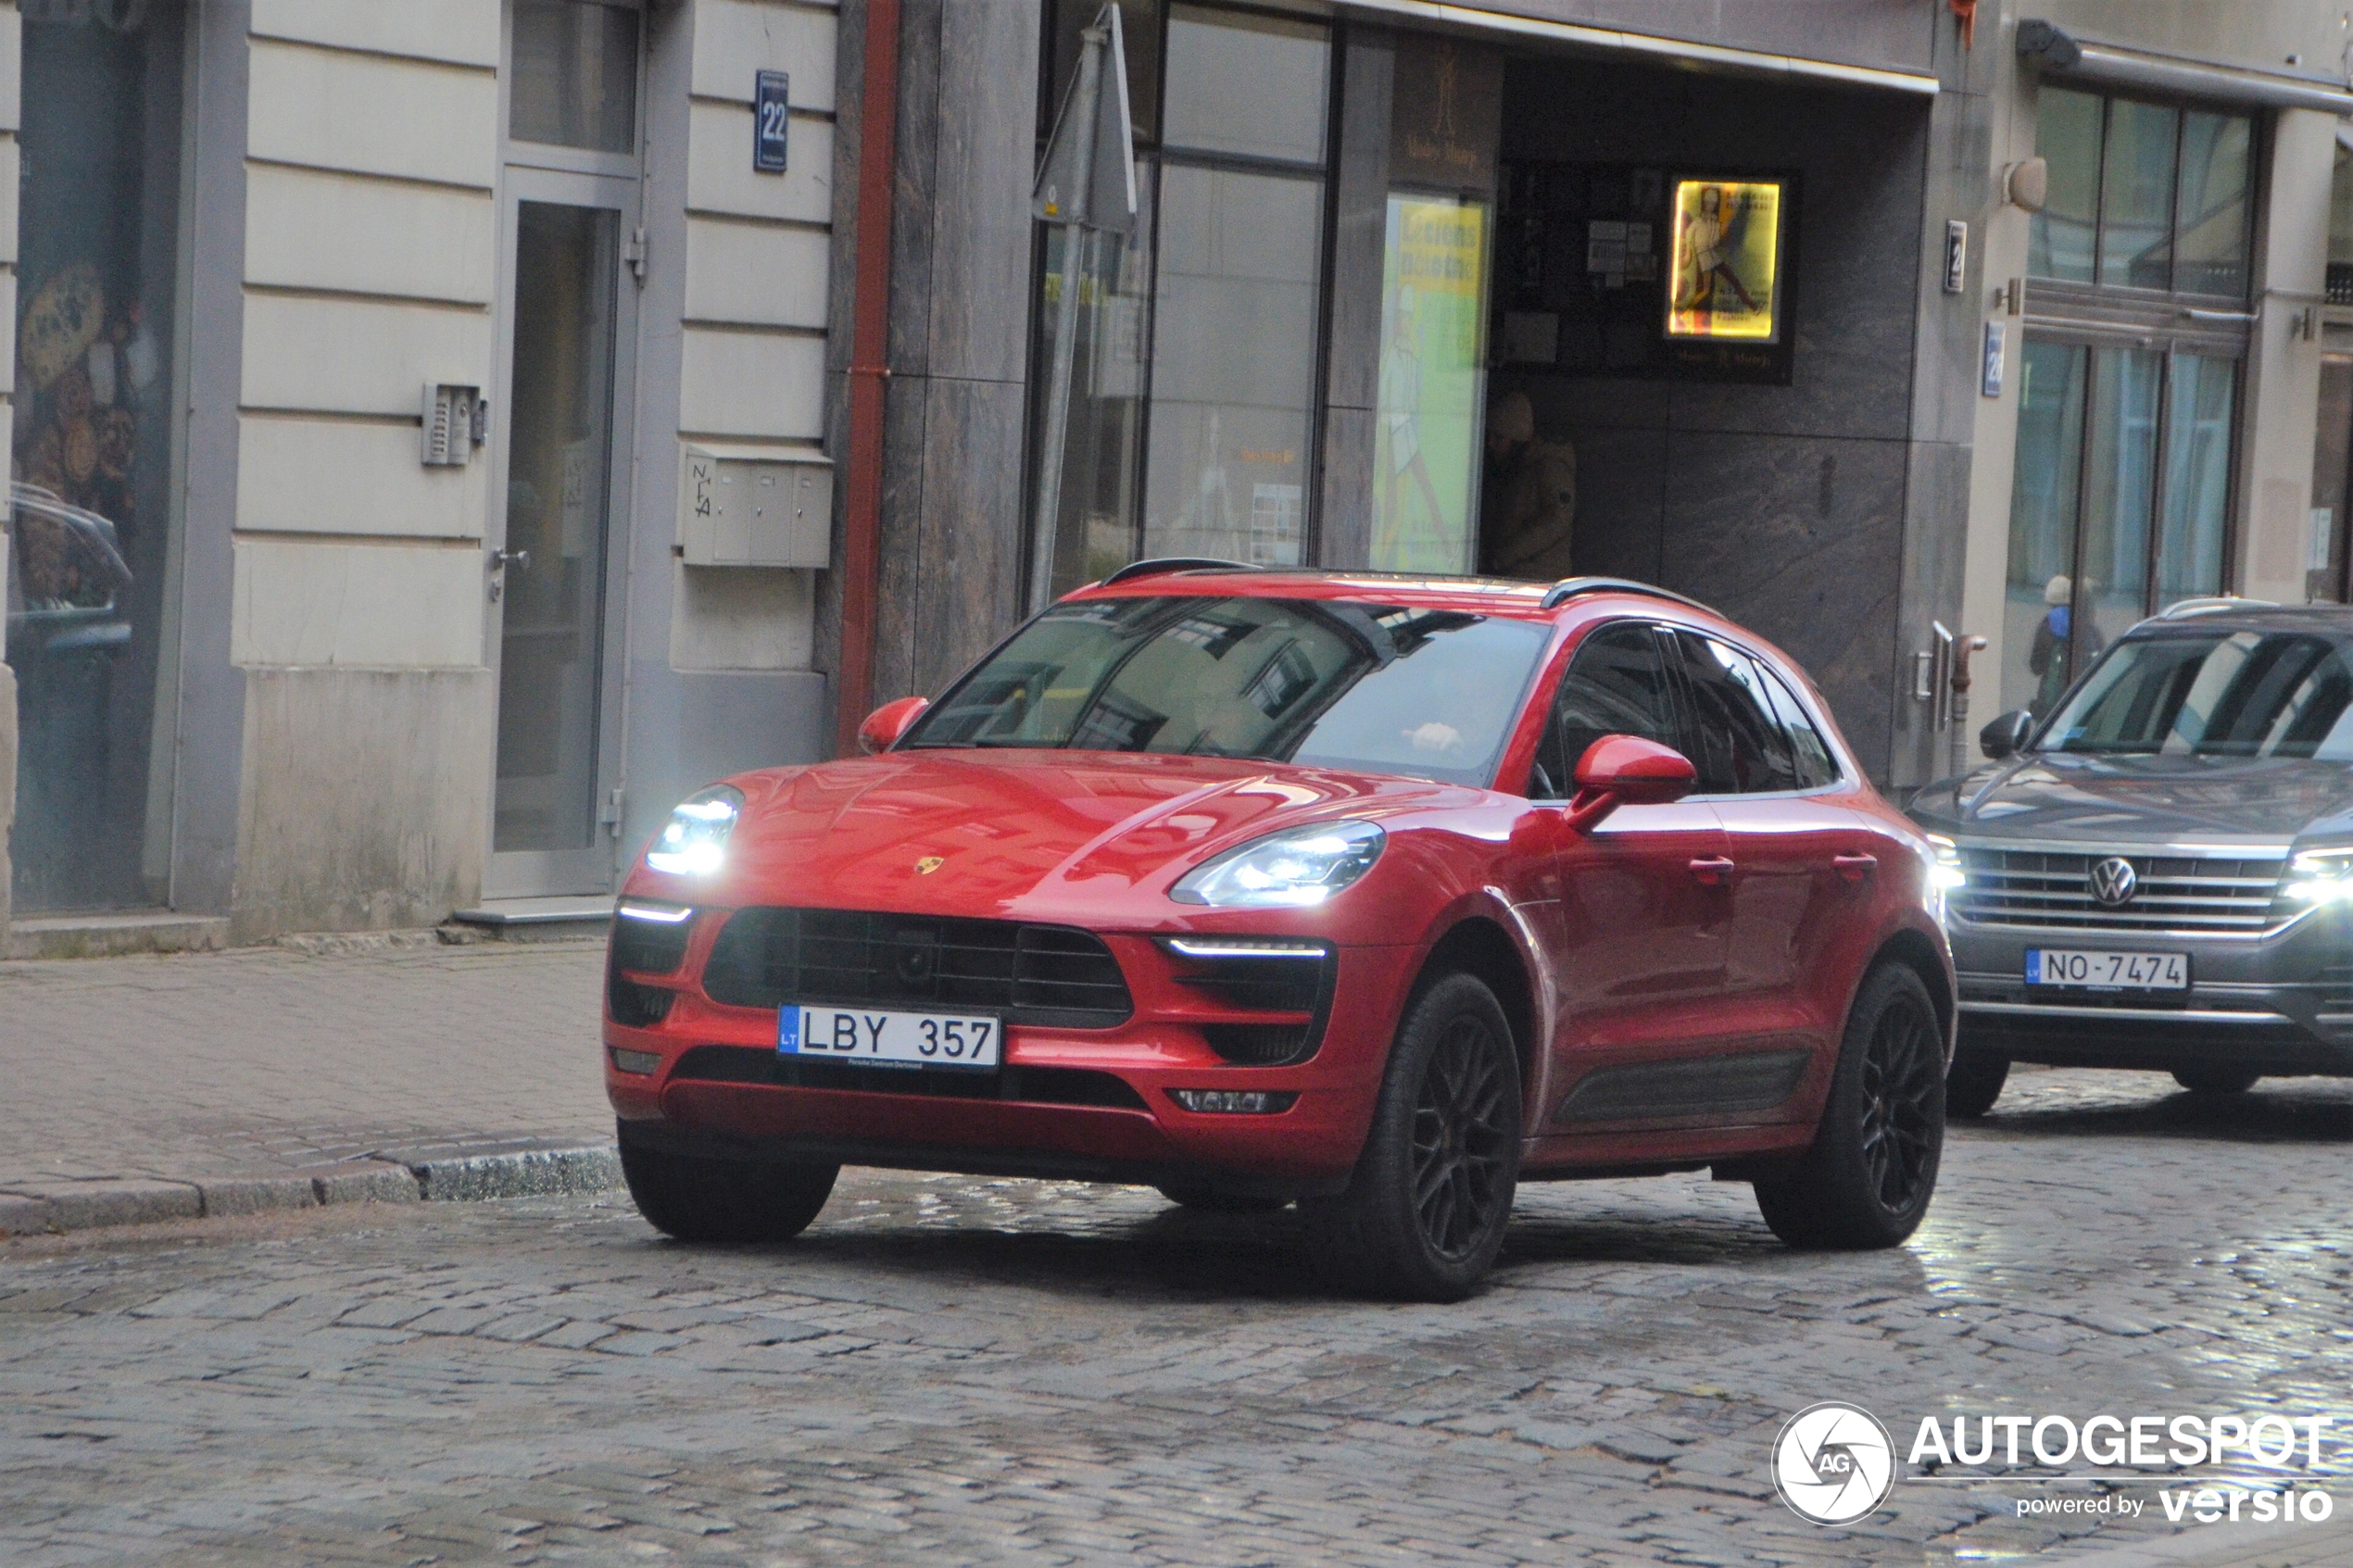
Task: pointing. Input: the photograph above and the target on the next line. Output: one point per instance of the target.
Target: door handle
(499, 562)
(1855, 867)
(1713, 871)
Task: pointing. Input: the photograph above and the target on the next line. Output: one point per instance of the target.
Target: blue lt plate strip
(788, 1031)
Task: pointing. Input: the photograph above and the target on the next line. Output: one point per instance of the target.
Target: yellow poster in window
(1432, 352)
(1726, 273)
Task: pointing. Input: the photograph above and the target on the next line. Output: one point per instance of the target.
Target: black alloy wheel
(2216, 1080)
(1903, 1105)
(1867, 1179)
(1463, 1155)
(1424, 1214)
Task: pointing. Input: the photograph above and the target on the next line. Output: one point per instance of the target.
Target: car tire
(2216, 1080)
(1974, 1081)
(1210, 1200)
(1867, 1179)
(1422, 1215)
(724, 1202)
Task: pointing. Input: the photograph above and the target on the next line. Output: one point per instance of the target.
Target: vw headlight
(694, 842)
(1286, 870)
(2322, 876)
(1948, 874)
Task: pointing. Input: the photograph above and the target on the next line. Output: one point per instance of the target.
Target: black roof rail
(1568, 588)
(1175, 563)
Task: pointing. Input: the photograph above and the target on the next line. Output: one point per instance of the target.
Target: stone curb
(47, 1207)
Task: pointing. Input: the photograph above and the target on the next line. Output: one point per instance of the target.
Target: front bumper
(2276, 1002)
(1084, 1104)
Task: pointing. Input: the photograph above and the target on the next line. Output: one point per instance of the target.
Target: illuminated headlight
(1288, 870)
(1947, 873)
(2322, 876)
(694, 842)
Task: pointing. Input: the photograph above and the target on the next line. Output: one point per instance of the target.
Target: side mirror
(1627, 771)
(2006, 734)
(886, 725)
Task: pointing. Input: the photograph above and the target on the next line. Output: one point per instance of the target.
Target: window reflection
(2067, 137)
(90, 515)
(575, 77)
(2136, 195)
(1207, 310)
(1384, 688)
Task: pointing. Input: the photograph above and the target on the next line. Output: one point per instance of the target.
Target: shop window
(2119, 506)
(2122, 499)
(1192, 421)
(2143, 195)
(92, 502)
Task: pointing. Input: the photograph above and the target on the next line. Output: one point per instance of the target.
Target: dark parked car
(2161, 875)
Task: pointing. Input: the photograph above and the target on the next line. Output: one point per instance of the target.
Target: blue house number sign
(768, 99)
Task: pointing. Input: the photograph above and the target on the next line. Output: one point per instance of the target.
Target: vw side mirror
(2006, 734)
(1627, 771)
(886, 725)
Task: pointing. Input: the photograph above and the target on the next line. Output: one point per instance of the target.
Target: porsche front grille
(2177, 892)
(1048, 976)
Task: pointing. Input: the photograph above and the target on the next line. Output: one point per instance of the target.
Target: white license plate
(875, 1037)
(2108, 971)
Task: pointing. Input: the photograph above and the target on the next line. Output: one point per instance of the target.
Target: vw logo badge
(1833, 1463)
(2114, 881)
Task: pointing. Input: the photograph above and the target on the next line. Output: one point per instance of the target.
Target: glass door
(554, 600)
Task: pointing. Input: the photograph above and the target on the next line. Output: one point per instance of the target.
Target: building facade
(434, 442)
(400, 380)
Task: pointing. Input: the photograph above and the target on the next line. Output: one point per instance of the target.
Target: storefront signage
(771, 115)
(1724, 277)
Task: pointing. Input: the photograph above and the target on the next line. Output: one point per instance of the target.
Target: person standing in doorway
(1531, 495)
(2052, 658)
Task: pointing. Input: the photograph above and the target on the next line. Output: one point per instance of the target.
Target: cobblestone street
(996, 1370)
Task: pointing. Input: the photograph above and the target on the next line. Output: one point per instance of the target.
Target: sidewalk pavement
(167, 1086)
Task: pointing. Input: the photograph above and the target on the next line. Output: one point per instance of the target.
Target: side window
(1742, 748)
(1815, 765)
(1615, 686)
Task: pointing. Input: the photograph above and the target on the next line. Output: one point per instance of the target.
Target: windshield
(2229, 694)
(1379, 688)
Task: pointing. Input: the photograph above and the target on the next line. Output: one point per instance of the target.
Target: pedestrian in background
(1531, 495)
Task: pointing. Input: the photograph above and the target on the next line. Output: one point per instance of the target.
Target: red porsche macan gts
(1377, 894)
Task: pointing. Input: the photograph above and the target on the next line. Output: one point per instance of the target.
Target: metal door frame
(522, 874)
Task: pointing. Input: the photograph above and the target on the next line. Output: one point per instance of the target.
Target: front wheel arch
(1477, 946)
(1916, 953)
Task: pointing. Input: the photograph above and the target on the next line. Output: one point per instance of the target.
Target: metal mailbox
(754, 505)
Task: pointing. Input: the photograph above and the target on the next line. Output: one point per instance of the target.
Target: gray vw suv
(2160, 875)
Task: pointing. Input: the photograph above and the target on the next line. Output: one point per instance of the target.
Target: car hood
(1026, 834)
(2143, 799)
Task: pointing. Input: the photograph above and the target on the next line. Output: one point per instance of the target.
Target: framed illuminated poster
(1724, 267)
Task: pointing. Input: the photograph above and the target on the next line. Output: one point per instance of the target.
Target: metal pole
(1962, 649)
(1083, 110)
